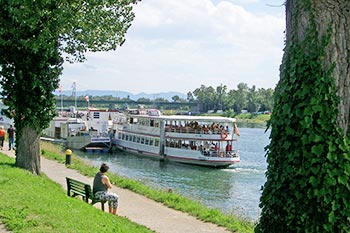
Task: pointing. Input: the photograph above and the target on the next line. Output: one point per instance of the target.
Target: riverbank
(144, 211)
(247, 120)
(167, 197)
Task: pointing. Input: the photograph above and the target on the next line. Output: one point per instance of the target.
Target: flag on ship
(236, 130)
(74, 88)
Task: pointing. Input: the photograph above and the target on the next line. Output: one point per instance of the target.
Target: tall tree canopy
(34, 35)
(307, 187)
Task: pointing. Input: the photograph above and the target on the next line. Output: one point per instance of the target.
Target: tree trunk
(28, 150)
(307, 187)
(334, 15)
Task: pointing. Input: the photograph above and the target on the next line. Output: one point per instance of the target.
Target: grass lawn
(31, 203)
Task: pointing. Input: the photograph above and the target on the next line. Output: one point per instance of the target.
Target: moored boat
(90, 131)
(199, 140)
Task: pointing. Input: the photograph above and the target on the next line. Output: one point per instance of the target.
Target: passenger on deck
(228, 147)
(216, 147)
(205, 129)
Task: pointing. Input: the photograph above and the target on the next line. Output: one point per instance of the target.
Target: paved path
(135, 207)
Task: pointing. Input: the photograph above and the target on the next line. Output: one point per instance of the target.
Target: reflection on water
(234, 189)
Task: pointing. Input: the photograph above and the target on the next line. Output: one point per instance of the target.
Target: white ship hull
(183, 139)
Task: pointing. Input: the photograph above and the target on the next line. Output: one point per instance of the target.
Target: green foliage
(94, 25)
(30, 62)
(244, 97)
(33, 36)
(36, 204)
(307, 187)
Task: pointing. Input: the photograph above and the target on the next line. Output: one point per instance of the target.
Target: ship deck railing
(193, 131)
(220, 154)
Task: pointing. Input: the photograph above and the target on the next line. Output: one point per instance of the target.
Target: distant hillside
(124, 94)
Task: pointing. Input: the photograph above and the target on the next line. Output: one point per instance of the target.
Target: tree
(33, 37)
(201, 97)
(143, 99)
(307, 187)
(190, 97)
(175, 98)
(266, 97)
(253, 100)
(241, 97)
(220, 97)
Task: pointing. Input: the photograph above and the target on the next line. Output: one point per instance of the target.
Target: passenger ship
(199, 140)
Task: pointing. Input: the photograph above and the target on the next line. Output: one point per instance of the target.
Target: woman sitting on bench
(100, 189)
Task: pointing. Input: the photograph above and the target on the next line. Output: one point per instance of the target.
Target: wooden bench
(78, 188)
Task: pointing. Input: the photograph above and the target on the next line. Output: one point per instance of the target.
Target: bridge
(121, 104)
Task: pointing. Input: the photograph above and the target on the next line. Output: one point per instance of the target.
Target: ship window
(138, 139)
(156, 142)
(151, 141)
(96, 115)
(146, 141)
(126, 137)
(134, 138)
(123, 136)
(142, 141)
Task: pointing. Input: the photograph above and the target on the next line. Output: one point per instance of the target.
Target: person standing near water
(2, 136)
(11, 133)
(100, 189)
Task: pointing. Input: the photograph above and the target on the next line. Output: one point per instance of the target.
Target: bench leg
(102, 204)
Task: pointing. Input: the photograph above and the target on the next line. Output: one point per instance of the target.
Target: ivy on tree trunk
(307, 187)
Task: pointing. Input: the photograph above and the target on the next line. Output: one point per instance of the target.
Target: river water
(236, 189)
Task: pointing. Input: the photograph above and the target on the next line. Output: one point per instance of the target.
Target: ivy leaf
(332, 217)
(316, 138)
(342, 179)
(290, 131)
(346, 156)
(315, 169)
(287, 144)
(313, 181)
(347, 169)
(317, 149)
(306, 122)
(316, 108)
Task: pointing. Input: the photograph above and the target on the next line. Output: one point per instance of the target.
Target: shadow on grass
(7, 164)
(6, 161)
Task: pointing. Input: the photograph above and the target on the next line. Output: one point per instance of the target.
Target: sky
(179, 45)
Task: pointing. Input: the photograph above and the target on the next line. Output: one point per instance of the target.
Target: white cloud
(179, 45)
